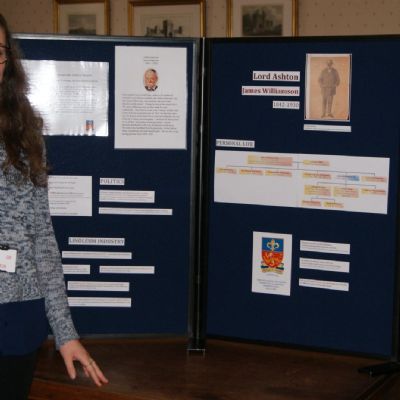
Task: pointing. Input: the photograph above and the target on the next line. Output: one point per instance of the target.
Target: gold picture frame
(254, 18)
(81, 17)
(158, 18)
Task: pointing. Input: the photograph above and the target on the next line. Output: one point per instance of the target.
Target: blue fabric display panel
(301, 147)
(158, 292)
(302, 219)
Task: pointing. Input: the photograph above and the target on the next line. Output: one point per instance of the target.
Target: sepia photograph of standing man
(328, 87)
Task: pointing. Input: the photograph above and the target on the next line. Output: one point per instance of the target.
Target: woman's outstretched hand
(74, 351)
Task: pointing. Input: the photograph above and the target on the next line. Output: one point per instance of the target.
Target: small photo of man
(328, 81)
(328, 87)
(150, 80)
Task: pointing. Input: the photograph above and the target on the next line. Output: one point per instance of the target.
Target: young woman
(32, 288)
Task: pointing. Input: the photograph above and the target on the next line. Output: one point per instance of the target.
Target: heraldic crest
(272, 253)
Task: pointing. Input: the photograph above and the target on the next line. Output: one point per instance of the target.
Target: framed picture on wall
(251, 18)
(176, 18)
(87, 17)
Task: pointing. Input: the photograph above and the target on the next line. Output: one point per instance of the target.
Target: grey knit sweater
(26, 226)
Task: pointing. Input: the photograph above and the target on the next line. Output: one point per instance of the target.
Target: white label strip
(126, 269)
(286, 105)
(99, 286)
(330, 285)
(324, 265)
(78, 269)
(127, 196)
(279, 76)
(97, 254)
(325, 247)
(327, 128)
(135, 211)
(100, 302)
(96, 241)
(112, 181)
(271, 91)
(235, 143)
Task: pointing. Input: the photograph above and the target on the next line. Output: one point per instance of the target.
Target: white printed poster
(272, 263)
(151, 94)
(71, 96)
(70, 195)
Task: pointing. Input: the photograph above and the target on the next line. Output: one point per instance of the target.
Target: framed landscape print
(88, 17)
(251, 18)
(179, 18)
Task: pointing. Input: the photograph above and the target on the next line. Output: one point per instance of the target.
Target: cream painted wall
(349, 17)
(316, 17)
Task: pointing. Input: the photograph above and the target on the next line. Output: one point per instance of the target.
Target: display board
(303, 192)
(120, 121)
(299, 221)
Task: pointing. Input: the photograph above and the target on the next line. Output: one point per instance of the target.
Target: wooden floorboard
(162, 369)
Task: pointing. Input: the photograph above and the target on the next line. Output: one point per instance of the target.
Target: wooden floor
(162, 369)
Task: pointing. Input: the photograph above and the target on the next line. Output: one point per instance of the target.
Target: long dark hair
(20, 126)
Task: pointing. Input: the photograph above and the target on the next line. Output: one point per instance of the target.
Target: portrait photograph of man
(150, 80)
(328, 82)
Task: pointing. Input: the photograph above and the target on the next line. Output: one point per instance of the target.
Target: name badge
(8, 260)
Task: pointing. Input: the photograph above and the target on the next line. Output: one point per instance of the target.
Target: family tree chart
(346, 183)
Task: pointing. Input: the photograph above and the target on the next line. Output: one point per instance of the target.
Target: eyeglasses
(3, 54)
